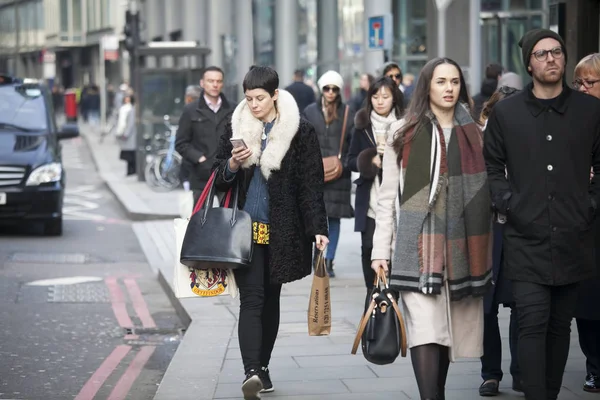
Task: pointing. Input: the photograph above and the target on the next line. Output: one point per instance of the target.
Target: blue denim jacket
(257, 199)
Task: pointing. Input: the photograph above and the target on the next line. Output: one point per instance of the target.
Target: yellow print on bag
(208, 282)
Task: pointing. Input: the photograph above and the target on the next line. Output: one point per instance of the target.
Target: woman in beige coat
(440, 246)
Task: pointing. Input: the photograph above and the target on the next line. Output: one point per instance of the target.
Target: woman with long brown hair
(441, 260)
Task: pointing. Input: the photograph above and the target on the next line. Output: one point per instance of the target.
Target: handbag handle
(205, 193)
(211, 197)
(343, 132)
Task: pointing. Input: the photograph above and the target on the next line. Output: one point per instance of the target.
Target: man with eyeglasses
(392, 70)
(546, 138)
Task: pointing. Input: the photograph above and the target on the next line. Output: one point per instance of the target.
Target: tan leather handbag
(332, 165)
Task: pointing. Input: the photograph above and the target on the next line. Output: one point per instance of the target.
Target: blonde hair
(589, 63)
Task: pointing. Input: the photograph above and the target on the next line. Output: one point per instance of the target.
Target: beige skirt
(434, 319)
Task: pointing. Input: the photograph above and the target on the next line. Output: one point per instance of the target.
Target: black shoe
(252, 386)
(489, 388)
(329, 268)
(517, 385)
(265, 378)
(592, 383)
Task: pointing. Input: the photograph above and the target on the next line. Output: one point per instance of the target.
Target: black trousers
(589, 341)
(258, 323)
(491, 361)
(366, 251)
(544, 314)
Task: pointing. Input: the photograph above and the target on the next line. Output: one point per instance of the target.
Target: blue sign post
(380, 32)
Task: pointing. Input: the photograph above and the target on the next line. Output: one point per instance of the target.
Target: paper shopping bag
(319, 306)
(199, 282)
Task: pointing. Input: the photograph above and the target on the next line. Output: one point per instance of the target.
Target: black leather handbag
(218, 237)
(381, 329)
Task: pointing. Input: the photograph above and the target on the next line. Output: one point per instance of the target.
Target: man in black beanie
(539, 147)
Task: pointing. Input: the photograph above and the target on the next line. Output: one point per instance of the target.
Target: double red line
(119, 306)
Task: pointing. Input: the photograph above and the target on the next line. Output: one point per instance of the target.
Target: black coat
(302, 93)
(296, 206)
(501, 289)
(588, 305)
(198, 135)
(548, 199)
(338, 192)
(360, 159)
(488, 87)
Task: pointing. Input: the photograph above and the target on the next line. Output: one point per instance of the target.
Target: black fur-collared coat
(293, 167)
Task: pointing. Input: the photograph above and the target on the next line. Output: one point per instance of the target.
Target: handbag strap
(205, 193)
(363, 325)
(343, 132)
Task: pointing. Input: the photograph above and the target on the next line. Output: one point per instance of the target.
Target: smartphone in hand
(238, 143)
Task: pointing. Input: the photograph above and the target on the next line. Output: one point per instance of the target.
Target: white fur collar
(246, 126)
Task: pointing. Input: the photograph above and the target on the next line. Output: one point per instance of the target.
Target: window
(23, 106)
(263, 25)
(77, 17)
(91, 15)
(510, 5)
(410, 34)
(64, 16)
(104, 13)
(39, 15)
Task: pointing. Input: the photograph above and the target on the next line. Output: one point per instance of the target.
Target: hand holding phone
(239, 154)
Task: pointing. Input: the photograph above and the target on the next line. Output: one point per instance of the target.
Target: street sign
(110, 46)
(380, 32)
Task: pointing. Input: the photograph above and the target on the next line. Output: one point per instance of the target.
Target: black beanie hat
(530, 39)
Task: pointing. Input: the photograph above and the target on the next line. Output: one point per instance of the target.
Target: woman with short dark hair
(279, 171)
(441, 263)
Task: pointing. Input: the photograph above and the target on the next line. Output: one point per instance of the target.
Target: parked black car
(32, 178)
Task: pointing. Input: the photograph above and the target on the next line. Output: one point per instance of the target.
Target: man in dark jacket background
(302, 93)
(488, 87)
(539, 147)
(200, 127)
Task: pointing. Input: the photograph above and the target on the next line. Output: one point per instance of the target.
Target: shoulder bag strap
(363, 325)
(343, 132)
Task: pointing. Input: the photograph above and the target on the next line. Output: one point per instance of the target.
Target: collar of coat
(203, 106)
(245, 126)
(536, 107)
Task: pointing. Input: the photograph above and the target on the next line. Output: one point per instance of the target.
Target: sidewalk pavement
(137, 199)
(207, 364)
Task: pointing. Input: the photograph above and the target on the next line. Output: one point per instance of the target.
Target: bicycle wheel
(167, 169)
(150, 177)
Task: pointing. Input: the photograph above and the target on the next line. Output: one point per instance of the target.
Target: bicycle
(162, 168)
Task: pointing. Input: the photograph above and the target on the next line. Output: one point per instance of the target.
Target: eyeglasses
(397, 76)
(542, 55)
(507, 90)
(333, 89)
(577, 83)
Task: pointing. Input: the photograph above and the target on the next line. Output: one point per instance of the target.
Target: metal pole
(17, 40)
(441, 31)
(102, 85)
(475, 44)
(135, 84)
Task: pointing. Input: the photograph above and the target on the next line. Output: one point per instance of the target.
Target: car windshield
(22, 107)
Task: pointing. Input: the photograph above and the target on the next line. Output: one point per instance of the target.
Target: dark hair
(390, 67)
(131, 98)
(261, 77)
(419, 107)
(212, 68)
(299, 73)
(492, 71)
(500, 94)
(397, 96)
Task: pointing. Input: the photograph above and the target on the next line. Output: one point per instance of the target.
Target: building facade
(314, 35)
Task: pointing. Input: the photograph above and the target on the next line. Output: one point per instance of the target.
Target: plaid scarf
(445, 224)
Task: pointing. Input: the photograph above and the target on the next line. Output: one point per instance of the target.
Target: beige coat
(429, 318)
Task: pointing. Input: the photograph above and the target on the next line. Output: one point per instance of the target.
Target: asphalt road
(81, 315)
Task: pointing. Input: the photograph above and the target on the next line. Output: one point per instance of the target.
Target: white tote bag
(199, 283)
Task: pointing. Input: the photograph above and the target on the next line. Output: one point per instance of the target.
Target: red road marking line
(139, 304)
(96, 381)
(133, 371)
(117, 299)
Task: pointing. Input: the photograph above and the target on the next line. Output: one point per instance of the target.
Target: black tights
(430, 363)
